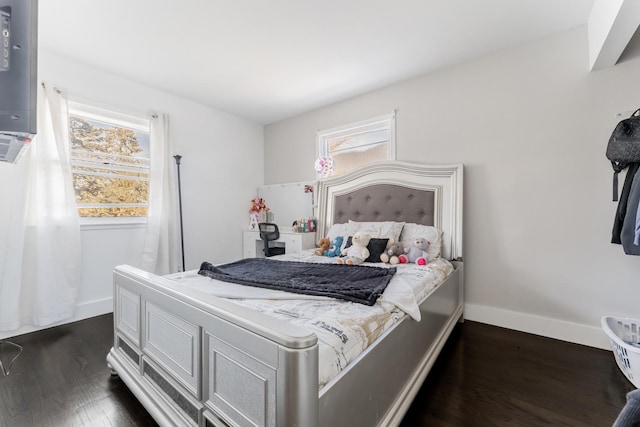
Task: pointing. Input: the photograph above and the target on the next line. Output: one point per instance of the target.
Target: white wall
(221, 168)
(530, 125)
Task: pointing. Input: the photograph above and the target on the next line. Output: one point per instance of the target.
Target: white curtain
(42, 257)
(160, 253)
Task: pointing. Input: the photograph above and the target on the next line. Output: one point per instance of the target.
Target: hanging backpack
(624, 147)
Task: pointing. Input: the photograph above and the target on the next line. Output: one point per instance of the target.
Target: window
(109, 162)
(357, 144)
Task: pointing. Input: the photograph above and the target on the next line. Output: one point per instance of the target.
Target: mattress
(344, 329)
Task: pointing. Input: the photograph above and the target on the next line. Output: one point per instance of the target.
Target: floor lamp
(178, 157)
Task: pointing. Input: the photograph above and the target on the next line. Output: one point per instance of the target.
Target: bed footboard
(194, 359)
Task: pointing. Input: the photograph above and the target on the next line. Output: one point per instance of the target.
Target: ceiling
(267, 60)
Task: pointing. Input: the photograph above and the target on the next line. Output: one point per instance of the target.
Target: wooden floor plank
(485, 376)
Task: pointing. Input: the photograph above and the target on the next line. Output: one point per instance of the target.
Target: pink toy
(416, 253)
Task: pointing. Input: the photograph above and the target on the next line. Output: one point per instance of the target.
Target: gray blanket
(361, 284)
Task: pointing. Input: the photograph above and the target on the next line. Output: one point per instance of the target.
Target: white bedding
(344, 329)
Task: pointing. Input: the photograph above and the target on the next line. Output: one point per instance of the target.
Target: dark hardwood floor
(490, 376)
(485, 376)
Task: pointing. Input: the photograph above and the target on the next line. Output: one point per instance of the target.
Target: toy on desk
(323, 245)
(357, 252)
(416, 253)
(305, 225)
(334, 249)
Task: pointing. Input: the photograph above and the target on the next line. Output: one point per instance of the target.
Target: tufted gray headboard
(397, 191)
(385, 202)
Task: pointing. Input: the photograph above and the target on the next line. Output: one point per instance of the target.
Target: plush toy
(392, 252)
(323, 245)
(417, 252)
(334, 249)
(357, 252)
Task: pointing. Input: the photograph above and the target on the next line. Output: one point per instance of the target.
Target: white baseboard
(538, 325)
(83, 311)
(93, 308)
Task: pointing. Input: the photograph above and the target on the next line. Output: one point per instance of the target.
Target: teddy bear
(416, 252)
(334, 249)
(357, 252)
(323, 245)
(392, 252)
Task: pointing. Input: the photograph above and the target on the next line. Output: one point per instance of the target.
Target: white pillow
(380, 229)
(338, 230)
(412, 231)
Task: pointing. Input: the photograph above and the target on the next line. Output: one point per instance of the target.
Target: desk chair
(269, 233)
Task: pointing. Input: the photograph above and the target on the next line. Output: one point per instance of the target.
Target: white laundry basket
(624, 334)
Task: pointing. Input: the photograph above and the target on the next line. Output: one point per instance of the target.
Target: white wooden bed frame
(197, 360)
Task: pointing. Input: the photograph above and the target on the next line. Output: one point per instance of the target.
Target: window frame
(115, 118)
(368, 125)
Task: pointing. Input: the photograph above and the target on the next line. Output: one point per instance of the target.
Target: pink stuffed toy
(416, 253)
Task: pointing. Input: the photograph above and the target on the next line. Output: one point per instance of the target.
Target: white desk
(252, 245)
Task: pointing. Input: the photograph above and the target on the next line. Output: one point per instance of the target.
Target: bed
(195, 359)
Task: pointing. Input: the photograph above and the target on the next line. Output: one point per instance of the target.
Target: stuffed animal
(392, 252)
(334, 249)
(323, 245)
(357, 252)
(417, 252)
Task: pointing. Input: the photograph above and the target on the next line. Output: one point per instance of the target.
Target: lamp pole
(178, 157)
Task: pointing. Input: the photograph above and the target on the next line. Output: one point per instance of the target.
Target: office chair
(269, 233)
